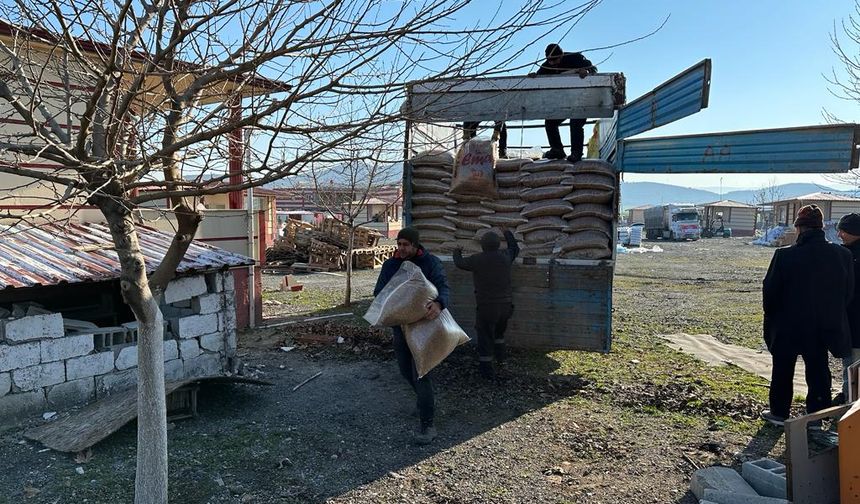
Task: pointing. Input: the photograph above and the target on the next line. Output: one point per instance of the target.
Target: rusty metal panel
(556, 306)
(51, 254)
(812, 149)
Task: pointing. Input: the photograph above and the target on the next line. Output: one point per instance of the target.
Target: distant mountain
(653, 193)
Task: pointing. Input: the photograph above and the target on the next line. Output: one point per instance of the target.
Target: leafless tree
(346, 185)
(766, 195)
(122, 104)
(845, 81)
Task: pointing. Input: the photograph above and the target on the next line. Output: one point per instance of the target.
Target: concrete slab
(724, 479)
(723, 497)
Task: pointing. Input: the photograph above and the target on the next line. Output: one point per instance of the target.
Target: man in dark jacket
(491, 273)
(557, 62)
(410, 249)
(805, 295)
(848, 230)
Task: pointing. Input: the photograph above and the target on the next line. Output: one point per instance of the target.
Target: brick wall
(46, 368)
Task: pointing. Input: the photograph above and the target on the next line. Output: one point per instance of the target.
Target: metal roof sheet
(818, 196)
(728, 204)
(51, 254)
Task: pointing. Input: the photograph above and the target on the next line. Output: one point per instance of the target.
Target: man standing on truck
(410, 249)
(848, 230)
(805, 295)
(558, 62)
(470, 130)
(491, 273)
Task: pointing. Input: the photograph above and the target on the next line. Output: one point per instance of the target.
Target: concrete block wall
(42, 368)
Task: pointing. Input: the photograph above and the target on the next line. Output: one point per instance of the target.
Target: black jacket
(854, 305)
(430, 265)
(491, 271)
(569, 61)
(805, 294)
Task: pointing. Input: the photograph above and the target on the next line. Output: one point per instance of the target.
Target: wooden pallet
(316, 268)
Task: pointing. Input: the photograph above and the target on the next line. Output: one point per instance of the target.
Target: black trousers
(470, 129)
(491, 322)
(577, 135)
(817, 380)
(423, 387)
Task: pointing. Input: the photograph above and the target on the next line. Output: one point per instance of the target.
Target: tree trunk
(348, 297)
(151, 477)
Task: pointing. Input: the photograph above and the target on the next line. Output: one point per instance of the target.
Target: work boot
(554, 154)
(426, 434)
(486, 370)
(503, 154)
(573, 158)
(773, 419)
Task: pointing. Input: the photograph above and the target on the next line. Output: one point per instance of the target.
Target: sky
(769, 61)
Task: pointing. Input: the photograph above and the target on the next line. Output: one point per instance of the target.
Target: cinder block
(15, 406)
(184, 288)
(728, 497)
(174, 370)
(214, 282)
(195, 325)
(5, 383)
(19, 356)
(767, 477)
(229, 282)
(204, 365)
(66, 347)
(33, 327)
(126, 358)
(189, 349)
(230, 343)
(72, 393)
(210, 303)
(89, 365)
(42, 375)
(212, 342)
(724, 479)
(116, 382)
(171, 350)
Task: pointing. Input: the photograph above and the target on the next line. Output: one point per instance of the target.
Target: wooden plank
(95, 422)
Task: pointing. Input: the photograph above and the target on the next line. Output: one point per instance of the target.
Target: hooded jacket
(491, 270)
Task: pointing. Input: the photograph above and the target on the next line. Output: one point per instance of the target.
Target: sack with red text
(475, 169)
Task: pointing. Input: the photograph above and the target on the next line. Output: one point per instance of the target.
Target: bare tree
(845, 82)
(122, 104)
(766, 195)
(346, 186)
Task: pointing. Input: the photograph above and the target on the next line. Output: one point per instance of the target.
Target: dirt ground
(561, 427)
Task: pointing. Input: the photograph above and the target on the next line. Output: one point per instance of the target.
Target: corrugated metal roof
(819, 196)
(728, 204)
(52, 254)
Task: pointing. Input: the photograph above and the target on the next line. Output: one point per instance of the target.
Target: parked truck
(673, 222)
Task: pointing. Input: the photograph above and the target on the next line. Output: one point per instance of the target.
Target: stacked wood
(322, 247)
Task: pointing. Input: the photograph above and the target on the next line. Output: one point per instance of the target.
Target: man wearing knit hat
(805, 295)
(848, 230)
(409, 249)
(491, 274)
(558, 62)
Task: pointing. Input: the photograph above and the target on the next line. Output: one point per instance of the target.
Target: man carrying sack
(491, 273)
(410, 249)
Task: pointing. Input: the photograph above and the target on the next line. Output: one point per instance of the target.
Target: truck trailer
(675, 221)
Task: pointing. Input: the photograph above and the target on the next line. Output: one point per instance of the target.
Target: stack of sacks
(431, 179)
(589, 223)
(543, 186)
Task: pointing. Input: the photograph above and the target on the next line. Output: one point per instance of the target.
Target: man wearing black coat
(557, 62)
(849, 232)
(805, 295)
(491, 273)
